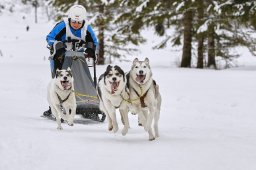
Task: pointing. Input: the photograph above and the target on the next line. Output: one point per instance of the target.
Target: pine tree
(200, 36)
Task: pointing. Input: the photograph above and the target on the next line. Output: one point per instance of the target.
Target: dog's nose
(141, 71)
(114, 78)
(65, 78)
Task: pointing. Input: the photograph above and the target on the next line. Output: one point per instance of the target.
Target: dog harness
(62, 101)
(141, 97)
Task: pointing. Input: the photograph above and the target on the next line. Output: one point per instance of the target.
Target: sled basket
(84, 86)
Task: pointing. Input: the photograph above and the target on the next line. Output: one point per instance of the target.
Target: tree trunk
(211, 47)
(200, 37)
(186, 51)
(36, 13)
(101, 37)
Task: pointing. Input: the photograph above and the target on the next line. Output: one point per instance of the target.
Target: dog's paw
(71, 124)
(110, 128)
(59, 128)
(124, 131)
(115, 129)
(151, 138)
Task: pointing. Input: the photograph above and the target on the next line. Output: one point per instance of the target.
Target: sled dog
(144, 95)
(61, 97)
(111, 91)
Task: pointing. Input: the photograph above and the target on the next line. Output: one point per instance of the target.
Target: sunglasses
(74, 21)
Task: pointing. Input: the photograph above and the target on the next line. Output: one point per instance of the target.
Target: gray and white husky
(112, 90)
(61, 97)
(145, 97)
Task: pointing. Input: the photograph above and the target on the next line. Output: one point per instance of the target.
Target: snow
(180, 6)
(106, 2)
(143, 5)
(207, 118)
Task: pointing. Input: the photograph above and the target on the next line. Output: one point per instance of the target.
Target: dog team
(135, 92)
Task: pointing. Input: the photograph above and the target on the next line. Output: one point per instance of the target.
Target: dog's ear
(69, 71)
(108, 69)
(106, 72)
(146, 60)
(120, 71)
(57, 73)
(135, 60)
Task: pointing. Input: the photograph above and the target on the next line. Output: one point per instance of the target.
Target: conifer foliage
(205, 29)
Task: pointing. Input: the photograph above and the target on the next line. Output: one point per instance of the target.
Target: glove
(57, 47)
(90, 52)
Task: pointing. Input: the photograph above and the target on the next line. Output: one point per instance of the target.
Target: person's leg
(59, 49)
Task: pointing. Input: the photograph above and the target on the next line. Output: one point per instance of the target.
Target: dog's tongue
(140, 78)
(65, 84)
(114, 86)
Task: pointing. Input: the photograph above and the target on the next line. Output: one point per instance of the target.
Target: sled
(84, 86)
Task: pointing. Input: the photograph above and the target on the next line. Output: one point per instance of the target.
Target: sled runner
(84, 86)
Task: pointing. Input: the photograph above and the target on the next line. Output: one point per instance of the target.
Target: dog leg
(114, 122)
(124, 115)
(110, 124)
(71, 115)
(151, 135)
(141, 118)
(58, 119)
(57, 113)
(156, 118)
(104, 110)
(150, 118)
(145, 113)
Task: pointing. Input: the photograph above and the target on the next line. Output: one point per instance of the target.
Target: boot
(48, 112)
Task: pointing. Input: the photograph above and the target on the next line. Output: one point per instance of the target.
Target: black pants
(58, 60)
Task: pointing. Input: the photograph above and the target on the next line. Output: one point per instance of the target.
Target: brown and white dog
(112, 90)
(144, 95)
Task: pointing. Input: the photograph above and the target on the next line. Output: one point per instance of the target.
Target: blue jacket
(58, 33)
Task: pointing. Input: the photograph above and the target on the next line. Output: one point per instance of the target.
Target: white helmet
(77, 13)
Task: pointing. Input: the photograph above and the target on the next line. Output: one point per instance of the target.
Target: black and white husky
(112, 90)
(61, 97)
(144, 95)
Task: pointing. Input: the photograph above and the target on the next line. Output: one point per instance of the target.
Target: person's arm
(90, 36)
(57, 33)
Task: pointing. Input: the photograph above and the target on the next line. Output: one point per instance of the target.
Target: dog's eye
(117, 74)
(136, 67)
(109, 75)
(61, 75)
(144, 66)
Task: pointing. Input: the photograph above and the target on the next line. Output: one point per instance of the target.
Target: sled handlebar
(80, 43)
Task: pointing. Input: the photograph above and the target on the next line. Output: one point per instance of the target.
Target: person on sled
(75, 27)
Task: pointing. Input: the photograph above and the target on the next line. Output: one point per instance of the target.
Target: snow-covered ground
(207, 122)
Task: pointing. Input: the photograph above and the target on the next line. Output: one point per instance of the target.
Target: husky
(61, 97)
(144, 96)
(112, 91)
